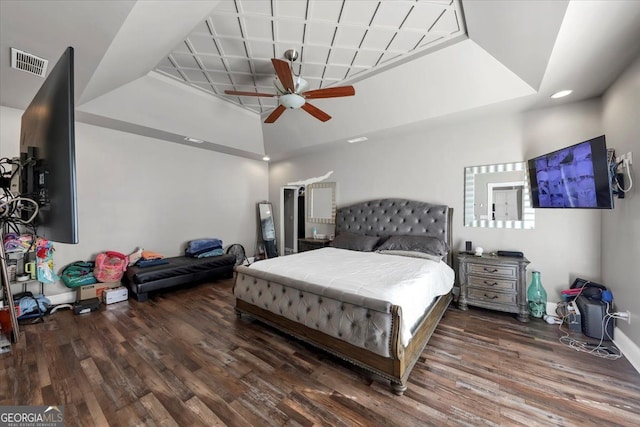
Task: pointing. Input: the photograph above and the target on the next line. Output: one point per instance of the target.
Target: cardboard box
(110, 296)
(95, 290)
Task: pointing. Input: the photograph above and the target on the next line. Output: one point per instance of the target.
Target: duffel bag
(79, 273)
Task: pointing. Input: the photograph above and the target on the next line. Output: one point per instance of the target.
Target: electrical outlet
(626, 158)
(626, 315)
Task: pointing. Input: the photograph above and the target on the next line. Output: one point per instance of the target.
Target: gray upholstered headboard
(389, 217)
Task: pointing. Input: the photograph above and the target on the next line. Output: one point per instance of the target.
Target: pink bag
(110, 266)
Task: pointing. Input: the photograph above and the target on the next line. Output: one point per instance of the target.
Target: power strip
(573, 317)
(573, 308)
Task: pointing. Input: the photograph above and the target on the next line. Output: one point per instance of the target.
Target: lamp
(291, 100)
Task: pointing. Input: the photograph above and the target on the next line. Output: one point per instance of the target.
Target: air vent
(27, 62)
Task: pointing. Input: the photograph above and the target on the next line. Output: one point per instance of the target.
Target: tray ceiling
(337, 41)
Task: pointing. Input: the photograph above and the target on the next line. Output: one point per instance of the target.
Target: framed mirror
(321, 202)
(497, 196)
(268, 229)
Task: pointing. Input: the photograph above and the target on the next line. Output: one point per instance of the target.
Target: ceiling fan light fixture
(291, 101)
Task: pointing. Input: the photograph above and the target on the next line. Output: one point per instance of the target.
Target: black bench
(177, 271)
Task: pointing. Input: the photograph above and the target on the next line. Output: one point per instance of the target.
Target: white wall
(621, 228)
(568, 239)
(427, 163)
(141, 192)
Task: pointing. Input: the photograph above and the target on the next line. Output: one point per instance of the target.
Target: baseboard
(630, 350)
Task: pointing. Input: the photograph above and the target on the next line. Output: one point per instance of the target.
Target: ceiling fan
(294, 94)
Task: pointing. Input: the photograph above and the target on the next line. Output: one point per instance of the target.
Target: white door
(505, 205)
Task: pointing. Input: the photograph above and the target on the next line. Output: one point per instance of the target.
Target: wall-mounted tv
(48, 155)
(573, 177)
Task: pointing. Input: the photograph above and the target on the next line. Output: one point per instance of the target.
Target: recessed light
(189, 139)
(561, 94)
(266, 158)
(360, 139)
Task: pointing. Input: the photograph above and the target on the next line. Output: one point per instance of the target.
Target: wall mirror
(321, 202)
(497, 196)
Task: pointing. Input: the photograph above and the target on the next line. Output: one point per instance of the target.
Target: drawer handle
(490, 270)
(491, 297)
(490, 284)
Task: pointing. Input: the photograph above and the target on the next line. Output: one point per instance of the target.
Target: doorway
(292, 219)
(505, 201)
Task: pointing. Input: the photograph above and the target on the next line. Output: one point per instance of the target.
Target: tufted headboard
(389, 217)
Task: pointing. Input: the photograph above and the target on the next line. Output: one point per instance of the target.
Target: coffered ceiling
(337, 41)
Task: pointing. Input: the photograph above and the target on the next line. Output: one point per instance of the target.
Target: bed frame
(384, 218)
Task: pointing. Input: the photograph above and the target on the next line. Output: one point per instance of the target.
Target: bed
(374, 298)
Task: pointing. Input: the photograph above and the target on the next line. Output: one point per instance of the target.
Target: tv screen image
(572, 177)
(47, 153)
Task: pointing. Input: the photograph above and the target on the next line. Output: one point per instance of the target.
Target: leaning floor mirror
(497, 196)
(267, 229)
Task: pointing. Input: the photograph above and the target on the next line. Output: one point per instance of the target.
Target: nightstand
(311, 244)
(494, 282)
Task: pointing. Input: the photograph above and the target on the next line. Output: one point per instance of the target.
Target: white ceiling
(410, 62)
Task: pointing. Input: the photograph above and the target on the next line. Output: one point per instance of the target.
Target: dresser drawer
(493, 270)
(493, 283)
(482, 295)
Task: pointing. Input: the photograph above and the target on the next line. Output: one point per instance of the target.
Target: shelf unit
(8, 296)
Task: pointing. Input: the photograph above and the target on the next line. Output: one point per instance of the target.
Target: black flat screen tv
(48, 155)
(573, 177)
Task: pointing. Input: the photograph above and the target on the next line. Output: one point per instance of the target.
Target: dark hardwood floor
(184, 358)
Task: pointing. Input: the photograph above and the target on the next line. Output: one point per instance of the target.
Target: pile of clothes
(143, 258)
(18, 242)
(203, 248)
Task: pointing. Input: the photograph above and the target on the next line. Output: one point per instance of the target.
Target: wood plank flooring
(184, 358)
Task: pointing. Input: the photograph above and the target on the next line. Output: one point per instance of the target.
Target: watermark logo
(31, 416)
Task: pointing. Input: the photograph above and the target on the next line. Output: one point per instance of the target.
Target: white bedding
(411, 283)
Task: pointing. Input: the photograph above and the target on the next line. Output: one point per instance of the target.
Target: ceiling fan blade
(316, 112)
(330, 92)
(240, 93)
(275, 114)
(284, 74)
